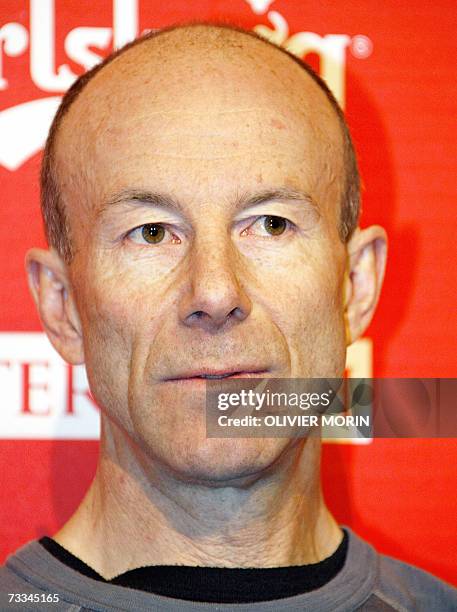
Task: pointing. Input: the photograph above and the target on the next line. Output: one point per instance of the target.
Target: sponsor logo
(42, 396)
(24, 127)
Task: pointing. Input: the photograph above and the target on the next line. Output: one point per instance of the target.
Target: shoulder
(401, 586)
(10, 581)
(27, 582)
(408, 583)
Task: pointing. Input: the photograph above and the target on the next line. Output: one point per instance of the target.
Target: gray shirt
(369, 582)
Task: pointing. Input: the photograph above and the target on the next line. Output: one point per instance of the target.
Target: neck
(137, 513)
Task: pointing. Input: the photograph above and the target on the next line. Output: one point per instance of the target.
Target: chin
(216, 462)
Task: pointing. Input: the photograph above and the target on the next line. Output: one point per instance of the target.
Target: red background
(401, 107)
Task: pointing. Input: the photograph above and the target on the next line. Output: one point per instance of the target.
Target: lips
(218, 374)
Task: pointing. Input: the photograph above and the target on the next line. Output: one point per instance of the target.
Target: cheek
(305, 301)
(123, 304)
(114, 301)
(107, 313)
(106, 347)
(114, 310)
(307, 285)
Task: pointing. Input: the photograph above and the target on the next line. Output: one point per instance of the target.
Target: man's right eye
(152, 233)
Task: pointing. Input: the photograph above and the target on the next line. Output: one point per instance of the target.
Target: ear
(367, 253)
(51, 290)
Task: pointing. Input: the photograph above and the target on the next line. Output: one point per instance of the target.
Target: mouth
(210, 374)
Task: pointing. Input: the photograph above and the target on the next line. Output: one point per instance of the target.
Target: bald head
(181, 92)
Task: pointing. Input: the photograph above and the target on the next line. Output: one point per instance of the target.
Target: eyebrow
(281, 194)
(139, 197)
(135, 197)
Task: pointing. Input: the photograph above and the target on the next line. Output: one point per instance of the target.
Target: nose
(214, 296)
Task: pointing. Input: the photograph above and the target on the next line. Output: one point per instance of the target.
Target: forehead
(193, 110)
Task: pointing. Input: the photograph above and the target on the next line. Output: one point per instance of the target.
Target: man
(200, 196)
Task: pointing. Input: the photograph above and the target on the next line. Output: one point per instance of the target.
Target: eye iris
(275, 225)
(153, 233)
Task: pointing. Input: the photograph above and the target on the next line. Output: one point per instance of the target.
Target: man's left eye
(152, 233)
(268, 224)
